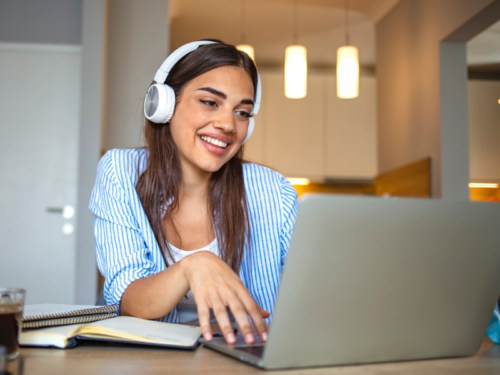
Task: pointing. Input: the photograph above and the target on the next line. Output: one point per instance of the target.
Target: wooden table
(106, 359)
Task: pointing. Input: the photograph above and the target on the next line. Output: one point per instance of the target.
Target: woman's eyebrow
(214, 91)
(247, 101)
(224, 96)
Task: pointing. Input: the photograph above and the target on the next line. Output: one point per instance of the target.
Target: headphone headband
(179, 53)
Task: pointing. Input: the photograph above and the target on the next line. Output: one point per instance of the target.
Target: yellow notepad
(123, 329)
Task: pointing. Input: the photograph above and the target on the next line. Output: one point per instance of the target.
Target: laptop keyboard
(257, 351)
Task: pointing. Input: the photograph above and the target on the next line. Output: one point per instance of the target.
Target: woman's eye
(211, 103)
(244, 114)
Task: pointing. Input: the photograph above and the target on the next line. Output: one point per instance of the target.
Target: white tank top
(186, 308)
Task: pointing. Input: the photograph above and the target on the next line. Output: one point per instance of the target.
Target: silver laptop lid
(371, 280)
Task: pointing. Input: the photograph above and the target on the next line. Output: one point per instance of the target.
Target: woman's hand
(215, 286)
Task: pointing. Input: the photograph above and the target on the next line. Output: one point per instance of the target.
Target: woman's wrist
(191, 262)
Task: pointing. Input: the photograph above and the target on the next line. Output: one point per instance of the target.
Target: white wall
(408, 80)
(484, 130)
(138, 37)
(41, 21)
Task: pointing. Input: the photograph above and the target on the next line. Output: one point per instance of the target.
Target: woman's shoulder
(124, 164)
(271, 198)
(255, 172)
(259, 178)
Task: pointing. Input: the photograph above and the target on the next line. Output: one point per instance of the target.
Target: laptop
(375, 280)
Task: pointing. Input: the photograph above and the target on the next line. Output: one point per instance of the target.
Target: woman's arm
(214, 286)
(155, 296)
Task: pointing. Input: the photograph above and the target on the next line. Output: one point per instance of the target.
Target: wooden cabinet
(317, 137)
(351, 131)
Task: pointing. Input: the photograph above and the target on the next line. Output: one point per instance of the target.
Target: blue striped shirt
(127, 249)
(493, 331)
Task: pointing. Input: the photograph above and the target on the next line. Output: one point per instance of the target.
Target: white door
(39, 122)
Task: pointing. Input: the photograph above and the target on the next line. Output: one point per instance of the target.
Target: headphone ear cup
(251, 126)
(159, 103)
(170, 103)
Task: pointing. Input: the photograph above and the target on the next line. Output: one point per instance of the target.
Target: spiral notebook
(51, 315)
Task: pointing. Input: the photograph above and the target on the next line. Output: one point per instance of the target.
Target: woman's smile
(217, 144)
(213, 148)
(214, 141)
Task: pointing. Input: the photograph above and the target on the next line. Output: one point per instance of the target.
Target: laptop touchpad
(257, 350)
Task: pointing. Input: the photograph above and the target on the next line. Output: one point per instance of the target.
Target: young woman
(185, 226)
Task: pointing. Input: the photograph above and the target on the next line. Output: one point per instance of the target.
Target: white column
(93, 57)
(454, 129)
(138, 39)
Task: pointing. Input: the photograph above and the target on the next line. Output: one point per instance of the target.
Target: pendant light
(248, 49)
(347, 65)
(295, 65)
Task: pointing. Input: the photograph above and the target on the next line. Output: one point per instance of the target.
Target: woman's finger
(240, 314)
(255, 312)
(264, 313)
(220, 313)
(204, 319)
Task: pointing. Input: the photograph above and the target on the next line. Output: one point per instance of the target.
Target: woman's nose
(225, 121)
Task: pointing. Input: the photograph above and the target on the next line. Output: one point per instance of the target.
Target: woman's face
(211, 117)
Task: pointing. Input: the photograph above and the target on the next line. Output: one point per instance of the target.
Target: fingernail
(207, 336)
(249, 338)
(264, 336)
(231, 337)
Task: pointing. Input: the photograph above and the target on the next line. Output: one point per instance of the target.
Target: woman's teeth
(214, 141)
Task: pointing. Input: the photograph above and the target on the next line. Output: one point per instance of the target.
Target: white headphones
(159, 103)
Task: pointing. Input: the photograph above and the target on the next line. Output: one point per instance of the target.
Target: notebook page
(159, 331)
(55, 336)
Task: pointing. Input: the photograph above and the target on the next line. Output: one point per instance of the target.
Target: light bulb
(248, 49)
(484, 185)
(295, 72)
(298, 181)
(347, 72)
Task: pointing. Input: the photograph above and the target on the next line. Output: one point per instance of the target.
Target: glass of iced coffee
(11, 310)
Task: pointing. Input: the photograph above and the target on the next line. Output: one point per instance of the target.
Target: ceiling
(485, 48)
(483, 54)
(268, 26)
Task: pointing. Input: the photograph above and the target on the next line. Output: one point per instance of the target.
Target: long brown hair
(160, 183)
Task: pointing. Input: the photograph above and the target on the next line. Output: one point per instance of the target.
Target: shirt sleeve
(493, 331)
(122, 254)
(289, 207)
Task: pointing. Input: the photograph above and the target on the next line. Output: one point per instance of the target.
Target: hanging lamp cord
(347, 22)
(243, 36)
(295, 23)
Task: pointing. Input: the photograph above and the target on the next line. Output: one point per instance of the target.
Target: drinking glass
(11, 310)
